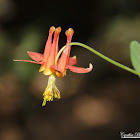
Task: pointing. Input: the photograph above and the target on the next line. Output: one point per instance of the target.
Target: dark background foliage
(98, 105)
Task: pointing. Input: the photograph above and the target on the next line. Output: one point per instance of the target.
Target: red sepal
(72, 60)
(79, 69)
(36, 56)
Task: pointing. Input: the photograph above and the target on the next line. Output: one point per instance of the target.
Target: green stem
(100, 55)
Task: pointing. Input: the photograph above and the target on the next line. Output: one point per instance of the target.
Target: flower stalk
(100, 55)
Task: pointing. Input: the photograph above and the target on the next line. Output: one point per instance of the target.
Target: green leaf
(135, 55)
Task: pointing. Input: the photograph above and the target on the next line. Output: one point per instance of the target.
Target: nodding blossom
(48, 66)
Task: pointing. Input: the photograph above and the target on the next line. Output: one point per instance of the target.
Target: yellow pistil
(51, 91)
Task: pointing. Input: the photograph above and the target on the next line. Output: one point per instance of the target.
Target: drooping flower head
(47, 61)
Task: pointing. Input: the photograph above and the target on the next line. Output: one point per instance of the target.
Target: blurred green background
(97, 105)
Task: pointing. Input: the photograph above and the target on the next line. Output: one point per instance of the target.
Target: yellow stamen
(51, 91)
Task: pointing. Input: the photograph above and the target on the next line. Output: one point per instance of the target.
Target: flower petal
(30, 61)
(72, 60)
(35, 56)
(54, 48)
(63, 60)
(79, 69)
(56, 68)
(47, 49)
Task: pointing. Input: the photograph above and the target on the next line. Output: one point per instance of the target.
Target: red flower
(47, 61)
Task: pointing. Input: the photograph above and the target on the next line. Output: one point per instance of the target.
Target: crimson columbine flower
(47, 61)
